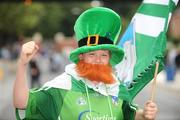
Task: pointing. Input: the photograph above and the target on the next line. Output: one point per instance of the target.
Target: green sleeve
(42, 105)
(32, 111)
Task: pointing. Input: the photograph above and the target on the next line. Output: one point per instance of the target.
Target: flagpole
(153, 91)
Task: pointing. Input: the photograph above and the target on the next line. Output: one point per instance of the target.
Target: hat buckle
(92, 38)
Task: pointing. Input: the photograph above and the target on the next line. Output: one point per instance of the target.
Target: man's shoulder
(62, 81)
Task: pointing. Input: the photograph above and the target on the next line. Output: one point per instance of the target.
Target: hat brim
(116, 52)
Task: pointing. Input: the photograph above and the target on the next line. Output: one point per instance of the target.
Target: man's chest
(90, 106)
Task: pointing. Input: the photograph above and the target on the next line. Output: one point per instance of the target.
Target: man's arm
(20, 93)
(148, 113)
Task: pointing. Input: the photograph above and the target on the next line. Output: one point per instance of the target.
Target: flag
(127, 42)
(144, 43)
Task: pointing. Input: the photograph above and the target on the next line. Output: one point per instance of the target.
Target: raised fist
(28, 50)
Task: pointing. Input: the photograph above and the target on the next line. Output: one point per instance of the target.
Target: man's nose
(98, 59)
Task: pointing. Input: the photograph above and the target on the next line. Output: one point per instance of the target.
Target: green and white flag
(144, 43)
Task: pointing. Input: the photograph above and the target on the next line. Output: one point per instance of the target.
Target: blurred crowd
(52, 52)
(172, 61)
(56, 51)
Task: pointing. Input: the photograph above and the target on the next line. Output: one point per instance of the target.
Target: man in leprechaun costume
(88, 89)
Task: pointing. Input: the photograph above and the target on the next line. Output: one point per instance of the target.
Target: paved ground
(167, 95)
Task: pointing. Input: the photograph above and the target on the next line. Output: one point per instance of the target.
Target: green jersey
(69, 97)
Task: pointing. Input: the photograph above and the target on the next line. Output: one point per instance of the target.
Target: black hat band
(94, 40)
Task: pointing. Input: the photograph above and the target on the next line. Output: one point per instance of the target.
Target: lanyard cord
(109, 103)
(89, 102)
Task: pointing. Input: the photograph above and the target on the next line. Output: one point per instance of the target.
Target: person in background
(88, 89)
(170, 64)
(35, 73)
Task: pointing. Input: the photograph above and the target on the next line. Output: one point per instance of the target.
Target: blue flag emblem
(126, 67)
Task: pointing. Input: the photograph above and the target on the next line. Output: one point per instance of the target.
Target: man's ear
(80, 56)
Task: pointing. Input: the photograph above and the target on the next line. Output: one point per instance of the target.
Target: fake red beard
(95, 72)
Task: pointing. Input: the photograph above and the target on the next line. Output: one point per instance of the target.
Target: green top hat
(98, 28)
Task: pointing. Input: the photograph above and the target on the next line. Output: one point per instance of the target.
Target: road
(166, 99)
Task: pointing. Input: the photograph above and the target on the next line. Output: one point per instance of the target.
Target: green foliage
(50, 21)
(47, 17)
(17, 18)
